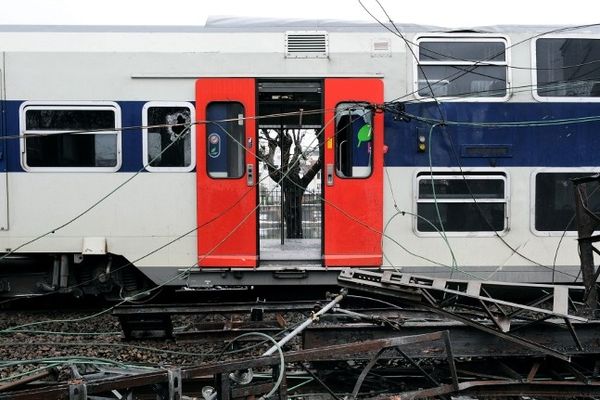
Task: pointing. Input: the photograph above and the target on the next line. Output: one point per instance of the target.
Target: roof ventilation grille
(306, 44)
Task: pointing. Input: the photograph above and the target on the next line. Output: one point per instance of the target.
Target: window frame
(453, 173)
(461, 38)
(69, 105)
(242, 143)
(534, 81)
(336, 152)
(192, 132)
(533, 191)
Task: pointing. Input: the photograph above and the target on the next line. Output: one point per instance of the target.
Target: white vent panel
(306, 44)
(381, 48)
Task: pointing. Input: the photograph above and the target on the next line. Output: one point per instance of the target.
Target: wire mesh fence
(271, 209)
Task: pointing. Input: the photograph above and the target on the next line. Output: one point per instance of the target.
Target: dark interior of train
(290, 139)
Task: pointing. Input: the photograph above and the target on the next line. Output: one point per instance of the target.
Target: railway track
(363, 346)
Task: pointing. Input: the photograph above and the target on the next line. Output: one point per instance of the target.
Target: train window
(554, 200)
(567, 67)
(354, 140)
(225, 140)
(169, 140)
(78, 136)
(462, 67)
(474, 202)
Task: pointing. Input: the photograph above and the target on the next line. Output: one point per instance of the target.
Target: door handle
(329, 174)
(250, 174)
(340, 156)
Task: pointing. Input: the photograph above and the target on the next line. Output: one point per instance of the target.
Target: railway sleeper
(147, 326)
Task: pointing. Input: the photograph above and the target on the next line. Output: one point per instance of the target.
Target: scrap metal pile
(427, 338)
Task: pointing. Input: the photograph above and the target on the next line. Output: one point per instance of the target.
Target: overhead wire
(443, 122)
(291, 113)
(442, 117)
(305, 112)
(196, 228)
(429, 222)
(136, 128)
(398, 32)
(446, 56)
(433, 123)
(435, 201)
(382, 233)
(232, 206)
(344, 212)
(400, 212)
(459, 74)
(187, 127)
(575, 120)
(186, 131)
(507, 124)
(441, 113)
(410, 45)
(461, 71)
(187, 234)
(491, 93)
(484, 218)
(181, 273)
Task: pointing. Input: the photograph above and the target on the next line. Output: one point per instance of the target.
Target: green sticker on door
(364, 134)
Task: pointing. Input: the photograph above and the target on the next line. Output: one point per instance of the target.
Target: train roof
(216, 24)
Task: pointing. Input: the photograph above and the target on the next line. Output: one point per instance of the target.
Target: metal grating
(307, 44)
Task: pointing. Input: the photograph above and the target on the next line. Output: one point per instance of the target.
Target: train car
(138, 157)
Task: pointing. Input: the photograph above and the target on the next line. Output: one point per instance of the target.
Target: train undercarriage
(110, 276)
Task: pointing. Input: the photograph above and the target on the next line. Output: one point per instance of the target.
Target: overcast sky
(448, 13)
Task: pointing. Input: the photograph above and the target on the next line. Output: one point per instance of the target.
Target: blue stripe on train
(569, 145)
(552, 146)
(131, 115)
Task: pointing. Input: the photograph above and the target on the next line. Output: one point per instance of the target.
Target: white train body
(141, 215)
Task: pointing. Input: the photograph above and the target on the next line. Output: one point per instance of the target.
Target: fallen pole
(306, 323)
(277, 346)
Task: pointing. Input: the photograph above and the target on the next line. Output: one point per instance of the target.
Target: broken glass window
(67, 137)
(169, 136)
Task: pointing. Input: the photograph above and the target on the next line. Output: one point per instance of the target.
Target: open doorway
(289, 147)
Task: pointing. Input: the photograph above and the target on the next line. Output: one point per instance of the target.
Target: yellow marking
(329, 144)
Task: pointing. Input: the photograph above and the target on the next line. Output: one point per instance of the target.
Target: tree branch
(310, 174)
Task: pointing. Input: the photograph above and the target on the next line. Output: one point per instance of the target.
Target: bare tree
(289, 174)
